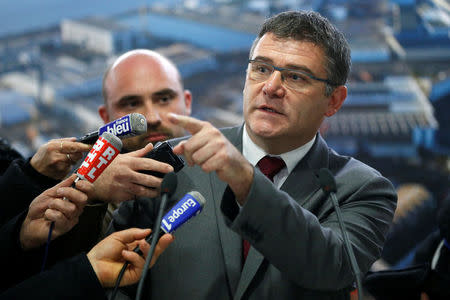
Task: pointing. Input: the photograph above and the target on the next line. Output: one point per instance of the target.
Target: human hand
(56, 158)
(122, 181)
(210, 149)
(109, 255)
(50, 206)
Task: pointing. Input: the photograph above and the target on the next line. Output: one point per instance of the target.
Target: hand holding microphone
(108, 256)
(55, 158)
(124, 179)
(50, 207)
(105, 149)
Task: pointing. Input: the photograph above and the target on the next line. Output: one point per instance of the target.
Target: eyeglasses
(294, 79)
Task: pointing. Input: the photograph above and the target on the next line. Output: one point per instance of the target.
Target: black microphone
(328, 185)
(168, 187)
(130, 125)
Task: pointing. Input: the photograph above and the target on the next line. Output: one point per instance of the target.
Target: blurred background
(396, 118)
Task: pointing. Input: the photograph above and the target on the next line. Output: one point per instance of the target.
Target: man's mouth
(269, 109)
(156, 137)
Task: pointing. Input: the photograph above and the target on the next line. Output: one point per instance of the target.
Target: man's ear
(337, 98)
(103, 112)
(188, 101)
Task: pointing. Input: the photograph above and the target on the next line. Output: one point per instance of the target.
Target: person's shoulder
(350, 167)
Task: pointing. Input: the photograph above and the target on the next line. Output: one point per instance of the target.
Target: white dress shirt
(253, 153)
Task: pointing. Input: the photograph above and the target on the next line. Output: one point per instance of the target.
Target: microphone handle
(148, 240)
(348, 246)
(89, 138)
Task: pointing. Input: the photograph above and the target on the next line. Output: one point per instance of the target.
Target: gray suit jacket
(297, 249)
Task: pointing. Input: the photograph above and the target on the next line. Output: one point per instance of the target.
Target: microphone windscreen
(169, 183)
(138, 123)
(326, 180)
(113, 140)
(201, 200)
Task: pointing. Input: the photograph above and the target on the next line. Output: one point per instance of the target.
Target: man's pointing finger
(190, 124)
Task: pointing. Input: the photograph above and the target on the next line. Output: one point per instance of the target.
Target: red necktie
(269, 166)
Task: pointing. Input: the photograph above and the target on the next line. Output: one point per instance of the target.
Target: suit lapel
(301, 185)
(251, 266)
(304, 173)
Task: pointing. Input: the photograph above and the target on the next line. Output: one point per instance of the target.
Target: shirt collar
(253, 153)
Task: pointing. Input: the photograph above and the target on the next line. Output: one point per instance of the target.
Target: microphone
(130, 125)
(105, 149)
(168, 187)
(328, 185)
(169, 184)
(189, 206)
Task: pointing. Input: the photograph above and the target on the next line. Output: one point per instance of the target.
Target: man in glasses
(268, 231)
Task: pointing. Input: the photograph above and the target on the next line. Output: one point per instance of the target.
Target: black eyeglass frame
(293, 70)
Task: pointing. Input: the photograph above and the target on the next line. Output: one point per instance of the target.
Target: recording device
(328, 185)
(163, 152)
(189, 206)
(125, 127)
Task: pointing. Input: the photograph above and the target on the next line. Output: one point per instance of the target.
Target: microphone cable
(162, 207)
(328, 185)
(168, 186)
(50, 232)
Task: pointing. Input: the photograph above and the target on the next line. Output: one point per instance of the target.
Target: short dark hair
(312, 27)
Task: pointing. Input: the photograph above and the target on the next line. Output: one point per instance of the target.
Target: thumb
(179, 149)
(141, 152)
(66, 182)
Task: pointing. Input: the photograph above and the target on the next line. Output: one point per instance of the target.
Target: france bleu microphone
(125, 127)
(189, 206)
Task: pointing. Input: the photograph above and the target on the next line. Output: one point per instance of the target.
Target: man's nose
(152, 116)
(273, 87)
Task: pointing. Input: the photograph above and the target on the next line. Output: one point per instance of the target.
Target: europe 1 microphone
(189, 206)
(128, 126)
